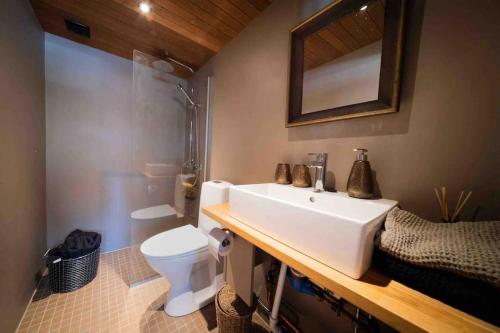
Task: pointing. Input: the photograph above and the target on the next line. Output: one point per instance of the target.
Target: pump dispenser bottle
(360, 183)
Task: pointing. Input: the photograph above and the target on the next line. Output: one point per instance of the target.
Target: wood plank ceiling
(345, 35)
(190, 31)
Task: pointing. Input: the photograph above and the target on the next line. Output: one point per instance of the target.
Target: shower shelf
(160, 170)
(154, 212)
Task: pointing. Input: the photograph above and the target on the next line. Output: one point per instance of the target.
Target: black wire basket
(71, 274)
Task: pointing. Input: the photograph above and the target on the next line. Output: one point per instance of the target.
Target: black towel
(77, 244)
(475, 297)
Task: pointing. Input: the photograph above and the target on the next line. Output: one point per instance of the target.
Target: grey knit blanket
(471, 249)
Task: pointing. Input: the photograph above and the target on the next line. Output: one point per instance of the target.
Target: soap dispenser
(360, 183)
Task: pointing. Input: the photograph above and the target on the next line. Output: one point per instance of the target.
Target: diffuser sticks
(442, 198)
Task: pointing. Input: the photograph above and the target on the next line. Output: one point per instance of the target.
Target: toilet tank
(213, 192)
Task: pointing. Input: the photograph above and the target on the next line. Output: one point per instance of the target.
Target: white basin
(332, 228)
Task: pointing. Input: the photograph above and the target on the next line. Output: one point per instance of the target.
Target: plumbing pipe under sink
(273, 320)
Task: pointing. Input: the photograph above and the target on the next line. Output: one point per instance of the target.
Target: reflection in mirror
(342, 60)
(345, 62)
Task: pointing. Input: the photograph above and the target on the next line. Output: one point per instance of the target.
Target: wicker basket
(71, 274)
(233, 315)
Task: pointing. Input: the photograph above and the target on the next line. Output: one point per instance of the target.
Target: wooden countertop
(401, 307)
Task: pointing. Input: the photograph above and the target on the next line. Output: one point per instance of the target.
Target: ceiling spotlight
(363, 8)
(144, 7)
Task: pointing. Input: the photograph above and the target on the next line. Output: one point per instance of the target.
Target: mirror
(345, 62)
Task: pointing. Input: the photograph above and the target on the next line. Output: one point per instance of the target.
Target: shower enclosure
(165, 159)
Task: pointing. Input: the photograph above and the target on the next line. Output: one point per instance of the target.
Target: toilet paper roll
(213, 192)
(220, 242)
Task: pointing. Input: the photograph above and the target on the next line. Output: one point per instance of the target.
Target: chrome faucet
(319, 164)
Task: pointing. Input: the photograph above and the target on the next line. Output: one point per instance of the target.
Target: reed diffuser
(442, 198)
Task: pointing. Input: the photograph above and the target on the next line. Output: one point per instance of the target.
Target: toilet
(181, 256)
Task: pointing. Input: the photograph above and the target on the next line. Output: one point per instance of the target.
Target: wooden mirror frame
(390, 68)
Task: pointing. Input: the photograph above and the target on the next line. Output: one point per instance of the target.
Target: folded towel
(471, 249)
(477, 298)
(77, 244)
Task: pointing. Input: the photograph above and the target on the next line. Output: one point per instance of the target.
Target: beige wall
(22, 158)
(446, 132)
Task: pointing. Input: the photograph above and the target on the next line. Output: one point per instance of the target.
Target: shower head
(171, 62)
(163, 66)
(177, 62)
(183, 91)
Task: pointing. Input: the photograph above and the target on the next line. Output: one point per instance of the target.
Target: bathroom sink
(331, 228)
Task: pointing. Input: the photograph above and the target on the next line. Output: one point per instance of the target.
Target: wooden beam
(331, 38)
(218, 13)
(233, 10)
(190, 31)
(118, 30)
(206, 17)
(186, 16)
(247, 8)
(260, 4)
(166, 18)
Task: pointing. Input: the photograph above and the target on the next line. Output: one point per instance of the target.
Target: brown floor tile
(108, 305)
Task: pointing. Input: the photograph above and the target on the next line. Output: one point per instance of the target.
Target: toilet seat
(173, 244)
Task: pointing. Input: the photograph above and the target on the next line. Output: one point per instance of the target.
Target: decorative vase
(301, 176)
(283, 174)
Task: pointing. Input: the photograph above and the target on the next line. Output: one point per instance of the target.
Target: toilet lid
(175, 242)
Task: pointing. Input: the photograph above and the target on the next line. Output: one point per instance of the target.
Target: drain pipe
(273, 320)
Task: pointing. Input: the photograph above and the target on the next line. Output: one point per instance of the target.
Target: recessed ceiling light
(363, 8)
(144, 7)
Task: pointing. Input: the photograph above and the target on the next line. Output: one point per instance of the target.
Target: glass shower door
(158, 155)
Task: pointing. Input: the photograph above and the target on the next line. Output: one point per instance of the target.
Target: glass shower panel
(158, 155)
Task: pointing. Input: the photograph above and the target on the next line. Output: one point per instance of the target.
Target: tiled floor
(107, 304)
(139, 270)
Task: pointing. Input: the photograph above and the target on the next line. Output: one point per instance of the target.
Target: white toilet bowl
(181, 256)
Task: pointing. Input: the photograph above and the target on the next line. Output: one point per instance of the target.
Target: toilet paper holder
(220, 242)
(226, 242)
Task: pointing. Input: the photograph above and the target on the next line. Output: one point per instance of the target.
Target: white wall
(350, 79)
(89, 118)
(91, 181)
